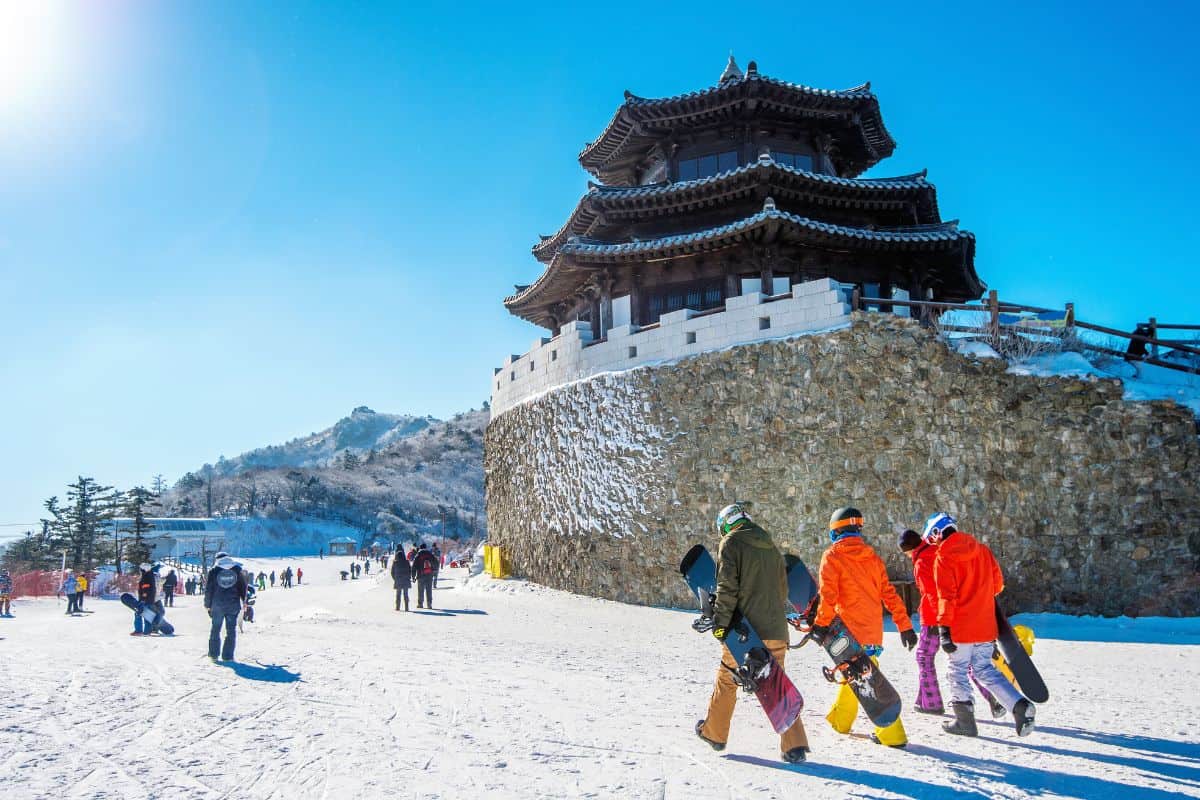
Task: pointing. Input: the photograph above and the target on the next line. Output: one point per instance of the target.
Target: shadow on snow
(271, 673)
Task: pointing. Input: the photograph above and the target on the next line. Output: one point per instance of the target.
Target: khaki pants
(724, 698)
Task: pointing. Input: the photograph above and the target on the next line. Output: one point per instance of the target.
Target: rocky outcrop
(1091, 502)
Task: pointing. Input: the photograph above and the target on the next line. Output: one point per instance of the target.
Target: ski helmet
(937, 527)
(730, 517)
(846, 521)
(909, 540)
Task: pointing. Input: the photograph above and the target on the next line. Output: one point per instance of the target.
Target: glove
(933, 630)
(819, 632)
(719, 634)
(908, 638)
(948, 644)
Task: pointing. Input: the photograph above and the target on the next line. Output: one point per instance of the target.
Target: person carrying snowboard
(169, 584)
(854, 585)
(147, 592)
(424, 567)
(401, 581)
(6, 589)
(968, 578)
(751, 580)
(223, 598)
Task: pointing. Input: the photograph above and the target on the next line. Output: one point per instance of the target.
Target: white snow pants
(978, 657)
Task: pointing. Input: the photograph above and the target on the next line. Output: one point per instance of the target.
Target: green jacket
(752, 579)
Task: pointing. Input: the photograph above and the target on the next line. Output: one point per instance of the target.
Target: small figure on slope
(68, 589)
(6, 589)
(424, 567)
(401, 581)
(223, 598)
(147, 593)
(81, 585)
(752, 580)
(968, 578)
(853, 584)
(169, 584)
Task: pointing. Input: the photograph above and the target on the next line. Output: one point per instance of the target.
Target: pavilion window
(691, 169)
(794, 160)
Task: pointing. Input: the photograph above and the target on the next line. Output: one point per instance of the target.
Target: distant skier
(147, 593)
(439, 562)
(853, 583)
(299, 575)
(272, 579)
(366, 567)
(6, 590)
(262, 581)
(68, 589)
(224, 598)
(81, 585)
(752, 581)
(424, 567)
(321, 554)
(929, 693)
(401, 581)
(968, 578)
(169, 584)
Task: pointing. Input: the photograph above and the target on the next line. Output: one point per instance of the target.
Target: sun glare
(33, 51)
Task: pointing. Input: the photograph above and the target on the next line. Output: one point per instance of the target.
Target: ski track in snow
(524, 692)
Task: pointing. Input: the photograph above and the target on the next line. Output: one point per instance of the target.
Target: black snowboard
(1029, 680)
(757, 671)
(152, 613)
(851, 664)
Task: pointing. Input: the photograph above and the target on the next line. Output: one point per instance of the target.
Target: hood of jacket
(853, 548)
(959, 545)
(750, 534)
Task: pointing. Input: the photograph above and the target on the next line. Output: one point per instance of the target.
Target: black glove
(908, 638)
(818, 633)
(948, 644)
(933, 630)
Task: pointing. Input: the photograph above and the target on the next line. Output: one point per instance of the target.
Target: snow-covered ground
(512, 690)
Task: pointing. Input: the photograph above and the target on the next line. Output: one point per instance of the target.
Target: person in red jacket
(854, 586)
(929, 694)
(968, 578)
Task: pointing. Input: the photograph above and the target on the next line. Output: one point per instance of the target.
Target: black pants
(402, 592)
(79, 601)
(425, 591)
(169, 597)
(71, 602)
(229, 619)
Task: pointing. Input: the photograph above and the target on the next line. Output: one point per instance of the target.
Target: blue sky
(226, 224)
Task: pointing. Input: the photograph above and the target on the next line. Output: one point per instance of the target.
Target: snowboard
(851, 664)
(758, 671)
(1029, 680)
(151, 613)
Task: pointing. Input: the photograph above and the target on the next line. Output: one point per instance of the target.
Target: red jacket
(922, 557)
(968, 580)
(853, 585)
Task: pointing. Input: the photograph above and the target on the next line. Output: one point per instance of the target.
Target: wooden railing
(929, 311)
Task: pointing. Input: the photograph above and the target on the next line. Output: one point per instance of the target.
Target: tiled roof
(765, 170)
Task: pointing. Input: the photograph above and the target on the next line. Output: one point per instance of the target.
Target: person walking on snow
(401, 581)
(262, 581)
(272, 579)
(147, 592)
(81, 585)
(224, 598)
(752, 581)
(6, 589)
(424, 567)
(169, 584)
(968, 578)
(299, 575)
(929, 693)
(68, 589)
(853, 584)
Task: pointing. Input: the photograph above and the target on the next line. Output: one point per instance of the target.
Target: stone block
(814, 287)
(743, 301)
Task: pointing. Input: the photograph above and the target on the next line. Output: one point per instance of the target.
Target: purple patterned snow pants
(929, 694)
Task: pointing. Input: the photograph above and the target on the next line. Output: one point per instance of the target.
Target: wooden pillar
(635, 298)
(605, 310)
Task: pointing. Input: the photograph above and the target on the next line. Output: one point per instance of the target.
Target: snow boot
(797, 755)
(714, 745)
(899, 745)
(998, 710)
(935, 711)
(1023, 713)
(964, 720)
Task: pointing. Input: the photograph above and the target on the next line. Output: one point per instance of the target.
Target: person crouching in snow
(853, 584)
(968, 578)
(223, 598)
(147, 593)
(751, 580)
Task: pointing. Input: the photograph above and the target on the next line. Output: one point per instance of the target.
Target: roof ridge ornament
(769, 204)
(732, 71)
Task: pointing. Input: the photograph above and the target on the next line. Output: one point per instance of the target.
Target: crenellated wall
(1091, 502)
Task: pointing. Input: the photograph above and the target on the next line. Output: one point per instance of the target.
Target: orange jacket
(922, 557)
(853, 584)
(968, 580)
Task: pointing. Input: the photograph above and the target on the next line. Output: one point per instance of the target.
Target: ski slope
(515, 691)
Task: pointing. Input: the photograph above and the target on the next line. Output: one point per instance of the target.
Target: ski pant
(169, 597)
(79, 601)
(402, 592)
(976, 658)
(425, 591)
(845, 708)
(724, 698)
(140, 625)
(229, 620)
(71, 603)
(929, 693)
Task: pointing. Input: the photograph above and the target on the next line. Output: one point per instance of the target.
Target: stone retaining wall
(1091, 503)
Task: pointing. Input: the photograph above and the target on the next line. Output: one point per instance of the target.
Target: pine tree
(350, 461)
(158, 485)
(83, 517)
(138, 501)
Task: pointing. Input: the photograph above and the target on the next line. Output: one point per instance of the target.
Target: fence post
(1154, 336)
(994, 312)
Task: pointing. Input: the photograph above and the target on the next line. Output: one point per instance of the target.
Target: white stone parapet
(573, 355)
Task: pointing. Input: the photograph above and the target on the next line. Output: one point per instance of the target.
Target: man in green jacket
(751, 579)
